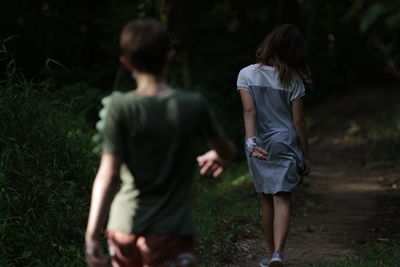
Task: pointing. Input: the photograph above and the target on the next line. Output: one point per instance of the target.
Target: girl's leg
(267, 213)
(281, 219)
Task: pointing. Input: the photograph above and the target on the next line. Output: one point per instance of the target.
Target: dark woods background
(58, 59)
(351, 43)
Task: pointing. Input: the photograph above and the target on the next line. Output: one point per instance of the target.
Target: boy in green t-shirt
(150, 138)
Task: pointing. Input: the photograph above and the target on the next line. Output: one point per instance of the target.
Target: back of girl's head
(145, 43)
(285, 49)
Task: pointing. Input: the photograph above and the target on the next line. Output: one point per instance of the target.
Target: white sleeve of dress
(242, 81)
(298, 90)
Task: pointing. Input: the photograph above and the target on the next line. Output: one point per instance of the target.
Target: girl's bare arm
(249, 117)
(301, 129)
(249, 113)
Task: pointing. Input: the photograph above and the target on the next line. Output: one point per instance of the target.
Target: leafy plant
(46, 169)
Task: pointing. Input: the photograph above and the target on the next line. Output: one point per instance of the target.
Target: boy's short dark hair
(145, 43)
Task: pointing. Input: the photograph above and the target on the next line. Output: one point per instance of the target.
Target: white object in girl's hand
(253, 149)
(251, 142)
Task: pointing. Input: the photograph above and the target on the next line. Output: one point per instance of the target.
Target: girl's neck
(150, 85)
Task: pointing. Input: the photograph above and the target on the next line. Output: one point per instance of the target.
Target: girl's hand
(306, 170)
(94, 254)
(259, 153)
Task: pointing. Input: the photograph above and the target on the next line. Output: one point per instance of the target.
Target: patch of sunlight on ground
(358, 187)
(245, 178)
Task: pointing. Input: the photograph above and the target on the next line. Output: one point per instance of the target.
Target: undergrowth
(378, 254)
(46, 170)
(226, 211)
(384, 133)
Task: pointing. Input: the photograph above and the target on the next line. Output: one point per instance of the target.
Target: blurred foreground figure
(276, 141)
(150, 138)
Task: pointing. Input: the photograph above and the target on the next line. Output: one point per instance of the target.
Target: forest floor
(350, 197)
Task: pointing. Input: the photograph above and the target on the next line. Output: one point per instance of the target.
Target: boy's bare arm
(223, 146)
(102, 194)
(301, 129)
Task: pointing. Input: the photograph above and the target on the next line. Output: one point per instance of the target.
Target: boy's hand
(210, 163)
(94, 254)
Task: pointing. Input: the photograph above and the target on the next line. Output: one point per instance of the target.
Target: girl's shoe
(276, 260)
(264, 262)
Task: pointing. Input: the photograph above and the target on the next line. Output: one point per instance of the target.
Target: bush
(46, 170)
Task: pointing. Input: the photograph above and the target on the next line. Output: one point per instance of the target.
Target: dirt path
(347, 200)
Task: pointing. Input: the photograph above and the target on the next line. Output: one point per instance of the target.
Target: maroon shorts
(150, 250)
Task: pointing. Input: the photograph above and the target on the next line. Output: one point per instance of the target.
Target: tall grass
(46, 170)
(226, 211)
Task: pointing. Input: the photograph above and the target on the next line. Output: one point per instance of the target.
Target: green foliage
(81, 99)
(393, 21)
(46, 170)
(384, 133)
(371, 15)
(377, 10)
(213, 39)
(226, 210)
(387, 124)
(372, 255)
(380, 21)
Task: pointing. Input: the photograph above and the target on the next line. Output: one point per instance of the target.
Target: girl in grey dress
(276, 143)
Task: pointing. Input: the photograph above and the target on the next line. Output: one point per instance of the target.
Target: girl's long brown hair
(285, 49)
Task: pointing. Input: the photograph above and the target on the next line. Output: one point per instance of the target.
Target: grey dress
(274, 126)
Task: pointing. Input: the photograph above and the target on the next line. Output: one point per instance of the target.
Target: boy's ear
(126, 63)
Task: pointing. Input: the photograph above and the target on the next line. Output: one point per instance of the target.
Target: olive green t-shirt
(156, 137)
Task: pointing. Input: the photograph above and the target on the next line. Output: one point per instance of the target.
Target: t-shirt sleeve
(242, 83)
(114, 131)
(298, 90)
(209, 125)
